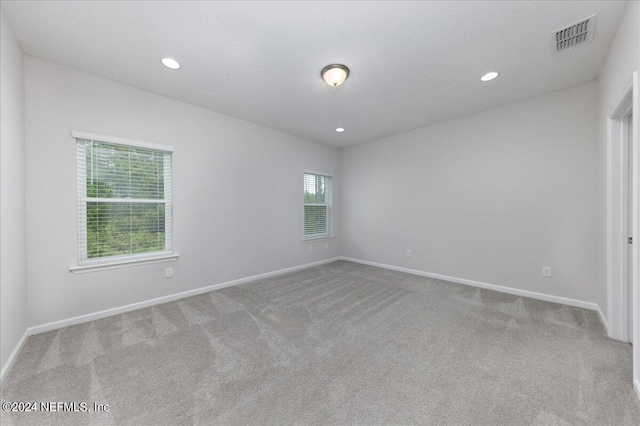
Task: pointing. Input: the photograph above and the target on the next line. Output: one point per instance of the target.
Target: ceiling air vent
(573, 35)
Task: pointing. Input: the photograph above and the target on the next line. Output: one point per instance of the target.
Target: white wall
(237, 190)
(491, 197)
(13, 280)
(623, 58)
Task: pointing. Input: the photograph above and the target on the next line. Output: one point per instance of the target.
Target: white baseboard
(144, 304)
(164, 299)
(43, 328)
(12, 358)
(603, 319)
(502, 289)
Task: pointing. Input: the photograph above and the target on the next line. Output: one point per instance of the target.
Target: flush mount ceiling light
(335, 74)
(170, 63)
(489, 76)
(339, 130)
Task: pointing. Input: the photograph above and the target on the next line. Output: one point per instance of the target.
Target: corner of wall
(13, 282)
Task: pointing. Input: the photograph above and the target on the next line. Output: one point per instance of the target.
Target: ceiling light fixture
(170, 63)
(489, 76)
(339, 130)
(335, 74)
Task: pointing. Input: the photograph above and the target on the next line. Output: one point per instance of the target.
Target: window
(124, 199)
(317, 205)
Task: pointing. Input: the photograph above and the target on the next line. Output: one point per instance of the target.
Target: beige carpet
(337, 344)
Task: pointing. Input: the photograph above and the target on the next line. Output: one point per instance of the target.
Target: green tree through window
(317, 205)
(125, 202)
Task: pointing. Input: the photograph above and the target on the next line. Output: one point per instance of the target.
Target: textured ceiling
(412, 63)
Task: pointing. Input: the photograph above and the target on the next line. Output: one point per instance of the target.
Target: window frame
(85, 264)
(328, 204)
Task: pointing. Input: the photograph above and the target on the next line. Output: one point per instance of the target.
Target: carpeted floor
(337, 344)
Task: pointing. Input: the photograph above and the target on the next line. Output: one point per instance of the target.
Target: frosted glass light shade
(335, 74)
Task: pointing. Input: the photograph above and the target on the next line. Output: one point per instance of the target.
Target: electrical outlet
(310, 248)
(326, 245)
(168, 273)
(546, 271)
(409, 253)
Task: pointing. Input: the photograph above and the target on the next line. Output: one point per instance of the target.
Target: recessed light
(489, 76)
(170, 63)
(339, 130)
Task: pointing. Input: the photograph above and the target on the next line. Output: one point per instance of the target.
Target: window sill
(122, 263)
(319, 237)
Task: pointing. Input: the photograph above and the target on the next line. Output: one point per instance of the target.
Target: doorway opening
(620, 219)
(623, 224)
(626, 123)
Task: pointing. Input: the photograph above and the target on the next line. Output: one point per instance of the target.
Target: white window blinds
(317, 206)
(124, 200)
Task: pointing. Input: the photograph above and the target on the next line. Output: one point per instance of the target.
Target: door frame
(617, 234)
